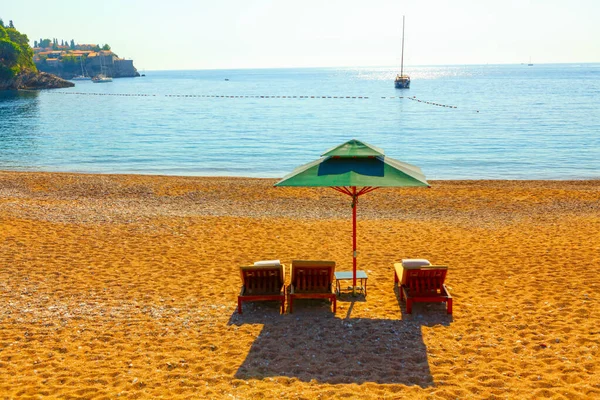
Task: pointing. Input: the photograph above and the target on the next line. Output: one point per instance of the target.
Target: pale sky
(200, 34)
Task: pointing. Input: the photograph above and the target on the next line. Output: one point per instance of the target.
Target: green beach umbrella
(355, 168)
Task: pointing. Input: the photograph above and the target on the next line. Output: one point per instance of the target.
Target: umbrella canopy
(355, 168)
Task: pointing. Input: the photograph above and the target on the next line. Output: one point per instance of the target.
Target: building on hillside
(81, 52)
(46, 55)
(52, 62)
(60, 62)
(86, 46)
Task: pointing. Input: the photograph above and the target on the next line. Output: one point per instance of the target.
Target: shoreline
(163, 175)
(128, 284)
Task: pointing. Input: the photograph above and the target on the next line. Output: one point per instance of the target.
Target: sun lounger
(262, 282)
(311, 280)
(422, 283)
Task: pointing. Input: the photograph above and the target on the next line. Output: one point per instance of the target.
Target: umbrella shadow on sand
(313, 344)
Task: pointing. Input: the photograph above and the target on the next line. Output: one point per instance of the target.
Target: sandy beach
(122, 285)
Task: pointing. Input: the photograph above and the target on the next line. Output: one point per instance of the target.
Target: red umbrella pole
(354, 204)
(346, 190)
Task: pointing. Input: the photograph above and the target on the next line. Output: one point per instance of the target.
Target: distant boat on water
(402, 81)
(530, 64)
(101, 77)
(83, 76)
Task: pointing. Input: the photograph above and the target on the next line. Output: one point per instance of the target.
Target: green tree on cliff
(15, 53)
(9, 55)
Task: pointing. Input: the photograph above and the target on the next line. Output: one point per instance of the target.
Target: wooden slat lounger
(424, 283)
(262, 283)
(311, 279)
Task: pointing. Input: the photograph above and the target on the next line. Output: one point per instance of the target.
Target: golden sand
(127, 285)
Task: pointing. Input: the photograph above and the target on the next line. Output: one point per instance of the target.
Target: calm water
(513, 121)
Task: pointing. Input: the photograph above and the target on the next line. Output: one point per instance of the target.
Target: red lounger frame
(422, 284)
(262, 283)
(311, 279)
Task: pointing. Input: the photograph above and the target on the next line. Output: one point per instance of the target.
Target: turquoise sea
(455, 122)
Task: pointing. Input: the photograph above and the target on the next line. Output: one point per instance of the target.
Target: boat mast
(402, 56)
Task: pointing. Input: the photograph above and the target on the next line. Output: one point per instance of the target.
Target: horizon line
(367, 66)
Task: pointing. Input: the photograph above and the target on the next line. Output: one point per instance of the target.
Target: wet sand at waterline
(127, 285)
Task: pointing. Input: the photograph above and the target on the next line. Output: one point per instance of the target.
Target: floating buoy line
(214, 96)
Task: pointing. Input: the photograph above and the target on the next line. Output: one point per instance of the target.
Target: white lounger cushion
(267, 263)
(414, 262)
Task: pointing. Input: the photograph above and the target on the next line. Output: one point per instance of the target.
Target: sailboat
(402, 81)
(83, 76)
(101, 77)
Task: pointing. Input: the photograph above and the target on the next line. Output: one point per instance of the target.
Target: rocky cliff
(108, 65)
(34, 80)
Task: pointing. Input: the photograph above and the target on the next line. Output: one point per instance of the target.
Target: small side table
(347, 275)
